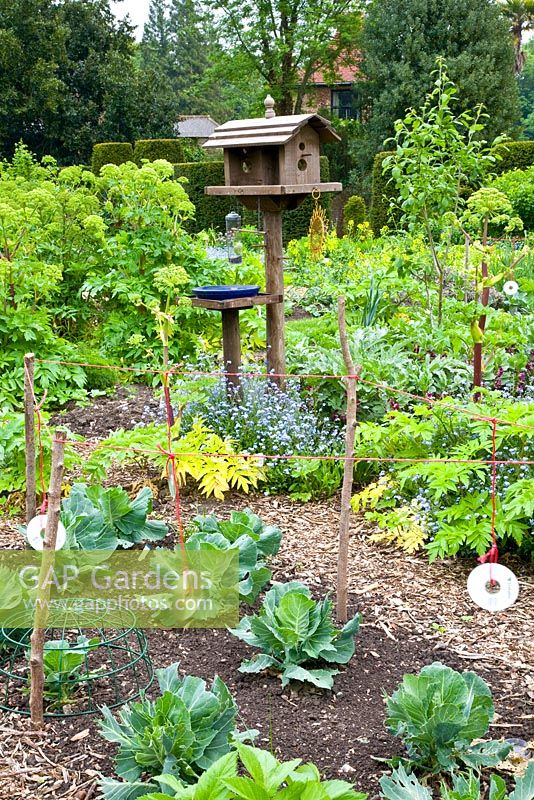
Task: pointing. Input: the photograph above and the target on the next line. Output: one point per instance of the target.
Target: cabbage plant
(438, 713)
(181, 733)
(99, 518)
(296, 636)
(405, 786)
(255, 540)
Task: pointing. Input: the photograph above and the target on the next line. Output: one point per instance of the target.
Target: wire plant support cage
(84, 669)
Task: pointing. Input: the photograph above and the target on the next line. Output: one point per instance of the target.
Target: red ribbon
(492, 556)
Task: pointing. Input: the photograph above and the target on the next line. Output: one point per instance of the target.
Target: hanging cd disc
(493, 587)
(36, 530)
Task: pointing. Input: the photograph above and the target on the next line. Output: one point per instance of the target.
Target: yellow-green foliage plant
(208, 460)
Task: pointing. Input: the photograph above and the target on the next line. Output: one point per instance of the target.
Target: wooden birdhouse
(272, 163)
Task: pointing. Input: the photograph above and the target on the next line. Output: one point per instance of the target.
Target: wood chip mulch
(407, 604)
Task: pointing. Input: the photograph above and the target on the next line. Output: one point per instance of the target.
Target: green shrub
(101, 376)
(258, 776)
(210, 211)
(354, 213)
(110, 153)
(514, 155)
(383, 192)
(155, 149)
(192, 151)
(518, 186)
(296, 224)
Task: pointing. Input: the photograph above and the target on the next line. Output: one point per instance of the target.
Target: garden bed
(413, 614)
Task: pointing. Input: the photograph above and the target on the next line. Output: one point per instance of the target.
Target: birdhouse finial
(269, 107)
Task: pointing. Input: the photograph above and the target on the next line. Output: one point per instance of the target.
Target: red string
(299, 457)
(492, 556)
(197, 373)
(171, 459)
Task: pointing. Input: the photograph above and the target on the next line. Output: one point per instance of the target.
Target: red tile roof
(344, 74)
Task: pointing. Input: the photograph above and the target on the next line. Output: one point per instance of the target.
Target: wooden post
(41, 611)
(348, 472)
(29, 432)
(274, 284)
(477, 347)
(231, 346)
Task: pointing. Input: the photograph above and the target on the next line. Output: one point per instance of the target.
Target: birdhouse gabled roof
(260, 131)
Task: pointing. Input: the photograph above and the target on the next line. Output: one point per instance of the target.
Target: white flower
(510, 288)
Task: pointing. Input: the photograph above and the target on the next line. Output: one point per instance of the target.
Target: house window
(343, 105)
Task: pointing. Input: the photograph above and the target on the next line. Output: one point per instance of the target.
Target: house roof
(344, 74)
(198, 126)
(260, 131)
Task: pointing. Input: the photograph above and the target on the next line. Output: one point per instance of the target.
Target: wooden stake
(231, 346)
(41, 610)
(348, 472)
(274, 284)
(29, 432)
(477, 347)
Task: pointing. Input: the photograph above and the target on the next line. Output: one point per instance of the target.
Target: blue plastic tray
(225, 292)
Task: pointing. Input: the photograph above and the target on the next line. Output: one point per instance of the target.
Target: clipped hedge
(383, 192)
(514, 155)
(154, 149)
(110, 153)
(518, 186)
(296, 224)
(354, 214)
(209, 211)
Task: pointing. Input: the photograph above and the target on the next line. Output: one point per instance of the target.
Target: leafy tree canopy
(70, 77)
(284, 42)
(403, 38)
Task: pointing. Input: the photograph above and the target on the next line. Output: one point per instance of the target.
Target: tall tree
(95, 45)
(403, 38)
(520, 15)
(177, 41)
(526, 92)
(286, 41)
(70, 77)
(32, 46)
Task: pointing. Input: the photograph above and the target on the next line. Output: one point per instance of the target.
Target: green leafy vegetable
(255, 541)
(63, 664)
(104, 519)
(266, 778)
(181, 734)
(295, 633)
(438, 713)
(403, 786)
